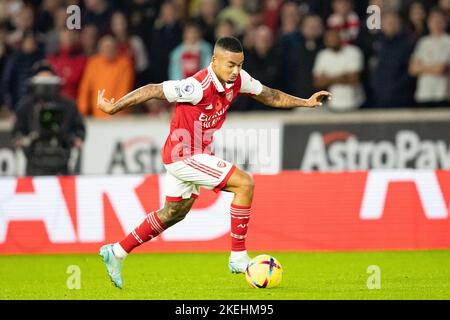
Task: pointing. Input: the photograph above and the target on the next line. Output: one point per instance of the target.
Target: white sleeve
(187, 90)
(355, 60)
(249, 85)
(419, 52)
(319, 63)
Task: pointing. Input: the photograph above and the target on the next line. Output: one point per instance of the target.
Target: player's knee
(246, 185)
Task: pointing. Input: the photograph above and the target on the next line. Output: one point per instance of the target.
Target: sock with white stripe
(147, 230)
(240, 216)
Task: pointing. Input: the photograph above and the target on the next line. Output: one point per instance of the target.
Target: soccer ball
(264, 271)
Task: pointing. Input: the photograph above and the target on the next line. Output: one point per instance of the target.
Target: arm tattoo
(142, 94)
(278, 99)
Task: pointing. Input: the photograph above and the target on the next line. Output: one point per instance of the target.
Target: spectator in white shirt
(338, 68)
(430, 63)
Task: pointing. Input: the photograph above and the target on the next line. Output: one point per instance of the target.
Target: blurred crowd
(401, 60)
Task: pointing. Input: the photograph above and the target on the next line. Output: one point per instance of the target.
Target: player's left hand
(317, 99)
(104, 104)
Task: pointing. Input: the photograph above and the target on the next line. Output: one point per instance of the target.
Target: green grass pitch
(179, 276)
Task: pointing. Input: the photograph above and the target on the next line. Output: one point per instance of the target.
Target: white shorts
(184, 178)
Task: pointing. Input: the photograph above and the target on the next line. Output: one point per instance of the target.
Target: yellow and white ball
(264, 271)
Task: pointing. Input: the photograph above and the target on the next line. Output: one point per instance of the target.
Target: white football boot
(238, 261)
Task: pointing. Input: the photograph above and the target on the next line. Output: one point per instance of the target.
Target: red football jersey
(201, 106)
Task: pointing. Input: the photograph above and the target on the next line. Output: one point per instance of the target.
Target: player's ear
(214, 61)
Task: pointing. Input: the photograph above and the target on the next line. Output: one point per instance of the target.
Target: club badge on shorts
(221, 164)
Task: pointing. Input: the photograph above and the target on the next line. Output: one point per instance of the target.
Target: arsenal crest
(221, 164)
(229, 95)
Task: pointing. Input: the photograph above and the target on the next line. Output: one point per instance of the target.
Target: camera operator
(47, 125)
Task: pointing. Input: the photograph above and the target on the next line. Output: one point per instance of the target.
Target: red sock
(240, 216)
(147, 230)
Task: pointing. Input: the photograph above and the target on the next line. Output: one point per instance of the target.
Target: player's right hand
(104, 104)
(318, 98)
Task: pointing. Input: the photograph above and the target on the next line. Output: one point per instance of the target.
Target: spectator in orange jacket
(105, 70)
